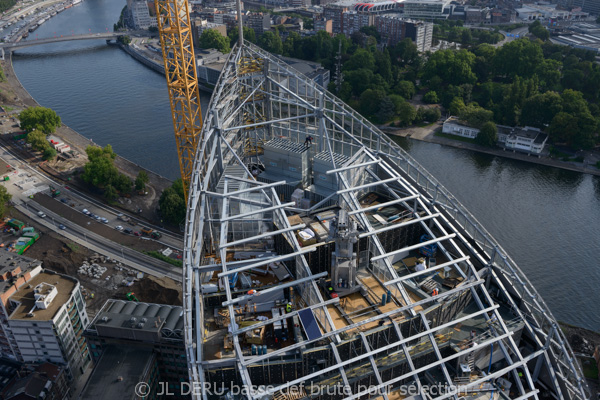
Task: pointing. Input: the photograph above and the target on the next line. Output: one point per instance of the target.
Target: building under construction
(323, 262)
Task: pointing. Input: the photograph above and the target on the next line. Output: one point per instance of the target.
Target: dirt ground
(63, 256)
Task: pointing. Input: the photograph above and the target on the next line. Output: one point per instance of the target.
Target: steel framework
(182, 81)
(258, 98)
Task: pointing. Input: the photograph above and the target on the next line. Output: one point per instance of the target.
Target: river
(547, 219)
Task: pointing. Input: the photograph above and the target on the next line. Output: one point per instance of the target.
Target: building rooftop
(25, 297)
(117, 372)
(10, 262)
(138, 321)
(31, 387)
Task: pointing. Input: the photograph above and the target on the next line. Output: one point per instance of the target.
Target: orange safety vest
(435, 292)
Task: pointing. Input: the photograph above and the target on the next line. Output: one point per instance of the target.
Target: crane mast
(182, 81)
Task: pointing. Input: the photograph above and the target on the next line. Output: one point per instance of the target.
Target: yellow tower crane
(182, 81)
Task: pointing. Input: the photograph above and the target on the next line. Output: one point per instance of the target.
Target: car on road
(85, 211)
(64, 200)
(104, 220)
(41, 214)
(61, 226)
(128, 231)
(136, 233)
(97, 217)
(119, 228)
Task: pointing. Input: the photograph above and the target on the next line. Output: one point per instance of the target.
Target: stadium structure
(323, 262)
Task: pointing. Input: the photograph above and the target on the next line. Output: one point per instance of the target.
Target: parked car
(104, 220)
(85, 211)
(128, 231)
(41, 214)
(136, 233)
(119, 228)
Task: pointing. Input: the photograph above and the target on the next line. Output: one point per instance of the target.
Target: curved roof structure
(376, 7)
(320, 257)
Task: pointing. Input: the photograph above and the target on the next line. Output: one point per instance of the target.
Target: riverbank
(427, 134)
(151, 60)
(17, 98)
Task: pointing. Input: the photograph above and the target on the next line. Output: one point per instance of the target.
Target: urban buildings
(47, 318)
(393, 29)
(427, 9)
(137, 342)
(140, 14)
(260, 22)
(527, 140)
(15, 271)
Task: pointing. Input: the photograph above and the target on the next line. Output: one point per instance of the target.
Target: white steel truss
(257, 99)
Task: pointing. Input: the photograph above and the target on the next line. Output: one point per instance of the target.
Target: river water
(546, 219)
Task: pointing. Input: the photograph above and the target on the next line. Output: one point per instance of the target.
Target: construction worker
(288, 308)
(435, 292)
(308, 141)
(252, 292)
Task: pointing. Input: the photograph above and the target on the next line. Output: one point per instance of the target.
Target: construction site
(319, 255)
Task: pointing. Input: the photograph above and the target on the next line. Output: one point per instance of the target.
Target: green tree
(453, 67)
(476, 116)
(457, 105)
(370, 101)
(172, 203)
(387, 110)
(407, 114)
(48, 153)
(488, 134)
(100, 170)
(212, 39)
(4, 199)
(431, 97)
(361, 59)
(371, 31)
(405, 89)
(110, 193)
(249, 35)
(431, 114)
(124, 39)
(40, 118)
(539, 110)
(538, 30)
(122, 183)
(563, 128)
(518, 58)
(271, 42)
(141, 180)
(37, 140)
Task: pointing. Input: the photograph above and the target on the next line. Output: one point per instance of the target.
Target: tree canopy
(172, 203)
(212, 39)
(101, 172)
(4, 199)
(41, 118)
(487, 135)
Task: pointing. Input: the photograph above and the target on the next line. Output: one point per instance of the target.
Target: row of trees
(453, 31)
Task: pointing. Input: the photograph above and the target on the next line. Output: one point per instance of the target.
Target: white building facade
(48, 319)
(528, 139)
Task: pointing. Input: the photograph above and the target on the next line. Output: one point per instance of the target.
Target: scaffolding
(396, 334)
